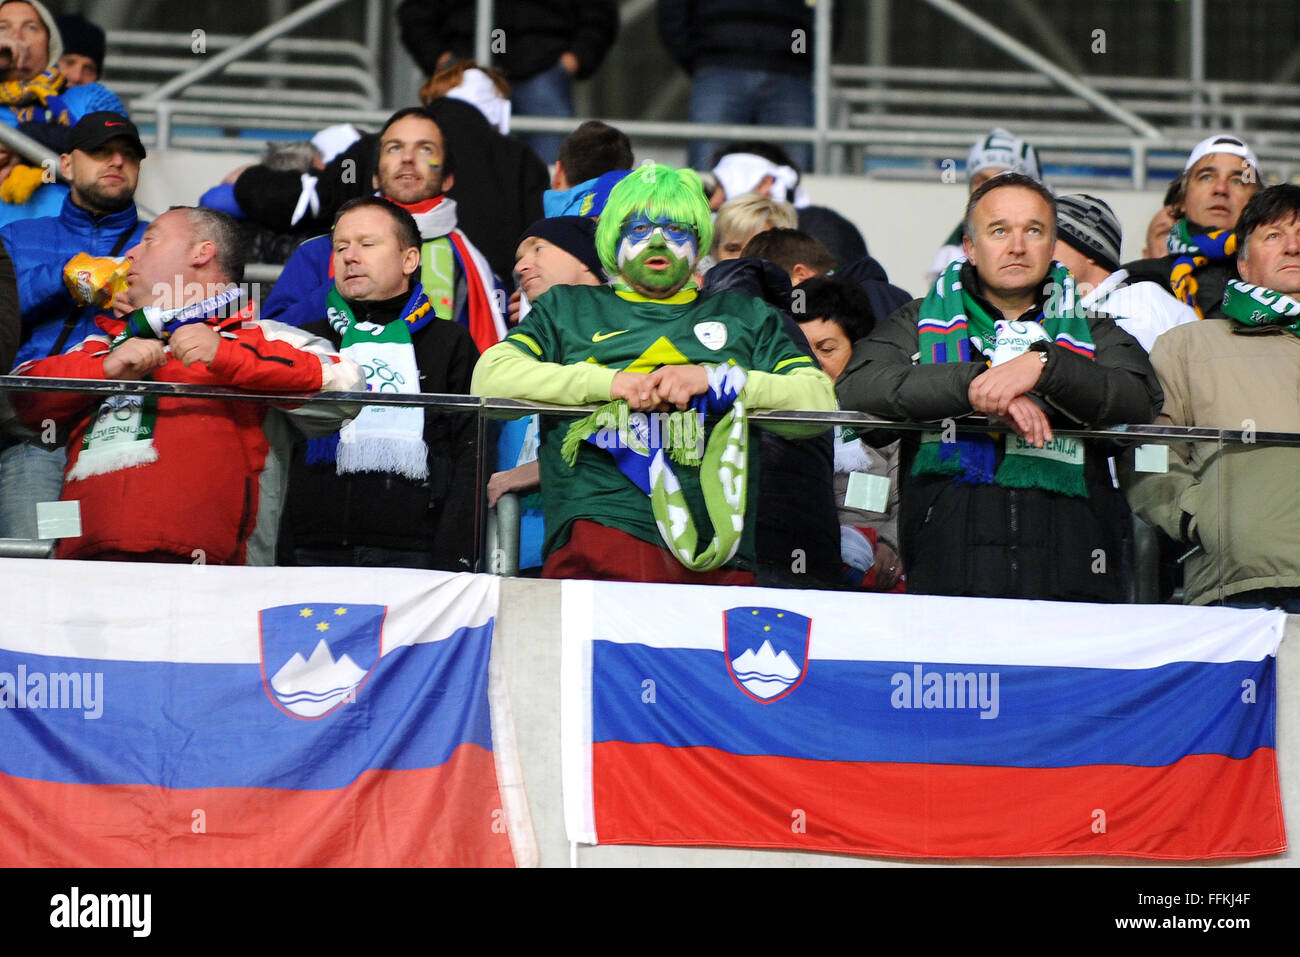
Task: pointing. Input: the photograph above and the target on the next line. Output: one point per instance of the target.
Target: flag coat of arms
(159, 715)
(917, 726)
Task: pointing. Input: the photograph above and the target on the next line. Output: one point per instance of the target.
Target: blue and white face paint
(637, 233)
(656, 257)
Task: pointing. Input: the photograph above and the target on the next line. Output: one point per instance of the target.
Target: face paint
(654, 257)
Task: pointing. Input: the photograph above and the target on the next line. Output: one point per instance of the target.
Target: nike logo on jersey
(602, 336)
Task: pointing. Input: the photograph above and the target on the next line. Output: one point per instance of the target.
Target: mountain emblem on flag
(316, 657)
(774, 659)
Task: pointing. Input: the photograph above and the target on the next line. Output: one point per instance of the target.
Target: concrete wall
(528, 636)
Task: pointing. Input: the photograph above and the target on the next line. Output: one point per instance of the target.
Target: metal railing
(497, 531)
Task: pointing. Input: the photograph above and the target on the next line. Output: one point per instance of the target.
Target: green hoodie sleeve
(507, 371)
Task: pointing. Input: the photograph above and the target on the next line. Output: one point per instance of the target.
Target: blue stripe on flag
(1046, 716)
(213, 725)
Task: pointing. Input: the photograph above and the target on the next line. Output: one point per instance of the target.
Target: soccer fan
(1220, 176)
(1034, 516)
(559, 251)
(837, 314)
(626, 502)
(414, 170)
(593, 158)
(1088, 238)
(82, 61)
(68, 268)
(1234, 506)
(496, 195)
(172, 479)
(802, 257)
(757, 166)
(396, 486)
(551, 44)
(743, 218)
(744, 63)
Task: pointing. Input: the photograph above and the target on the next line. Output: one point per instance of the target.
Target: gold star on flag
(323, 626)
(340, 611)
(306, 613)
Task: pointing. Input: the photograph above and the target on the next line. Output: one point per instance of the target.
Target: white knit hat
(1000, 150)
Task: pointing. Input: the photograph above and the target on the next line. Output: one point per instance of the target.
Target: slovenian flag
(918, 726)
(163, 715)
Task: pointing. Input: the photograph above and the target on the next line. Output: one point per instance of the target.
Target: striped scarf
(950, 323)
(1194, 253)
(642, 448)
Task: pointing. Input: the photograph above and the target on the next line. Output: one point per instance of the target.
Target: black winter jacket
(998, 542)
(326, 510)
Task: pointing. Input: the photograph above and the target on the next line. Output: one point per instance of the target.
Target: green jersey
(574, 324)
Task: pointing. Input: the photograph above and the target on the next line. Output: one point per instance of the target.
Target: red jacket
(208, 489)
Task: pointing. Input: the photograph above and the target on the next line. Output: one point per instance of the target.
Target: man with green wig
(658, 484)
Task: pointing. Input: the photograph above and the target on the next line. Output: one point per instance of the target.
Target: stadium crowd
(675, 301)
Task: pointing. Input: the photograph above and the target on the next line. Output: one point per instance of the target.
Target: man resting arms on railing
(625, 496)
(174, 479)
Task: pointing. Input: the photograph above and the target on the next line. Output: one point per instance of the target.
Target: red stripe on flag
(448, 816)
(1203, 806)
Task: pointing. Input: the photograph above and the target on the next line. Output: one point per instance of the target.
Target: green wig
(660, 192)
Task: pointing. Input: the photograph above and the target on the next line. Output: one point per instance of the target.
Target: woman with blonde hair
(743, 218)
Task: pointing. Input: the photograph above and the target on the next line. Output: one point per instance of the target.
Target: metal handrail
(1045, 66)
(1020, 79)
(356, 75)
(255, 42)
(28, 148)
(515, 408)
(219, 41)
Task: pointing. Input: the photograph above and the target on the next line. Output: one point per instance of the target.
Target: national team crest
(316, 657)
(766, 650)
(712, 335)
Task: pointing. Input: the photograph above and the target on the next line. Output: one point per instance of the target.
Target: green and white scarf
(1256, 306)
(382, 438)
(639, 448)
(951, 321)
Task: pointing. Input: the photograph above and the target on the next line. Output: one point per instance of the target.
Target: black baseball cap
(95, 129)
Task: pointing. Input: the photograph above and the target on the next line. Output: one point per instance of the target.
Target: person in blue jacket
(49, 71)
(98, 219)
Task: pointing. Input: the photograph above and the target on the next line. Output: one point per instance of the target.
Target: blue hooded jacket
(39, 249)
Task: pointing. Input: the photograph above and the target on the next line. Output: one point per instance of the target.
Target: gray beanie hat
(1087, 224)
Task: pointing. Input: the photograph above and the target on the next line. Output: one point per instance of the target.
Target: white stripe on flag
(199, 614)
(958, 630)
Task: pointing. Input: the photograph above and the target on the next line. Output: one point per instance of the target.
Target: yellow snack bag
(95, 279)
